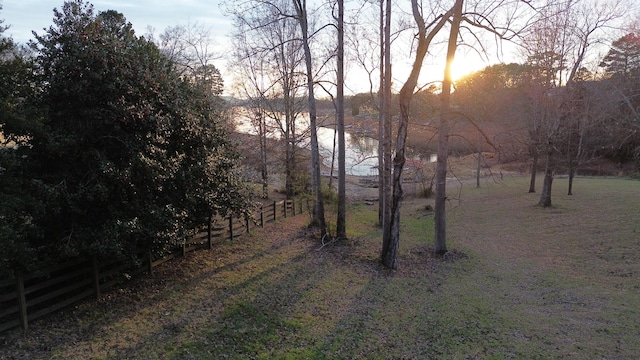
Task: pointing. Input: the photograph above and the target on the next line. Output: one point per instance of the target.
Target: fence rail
(28, 297)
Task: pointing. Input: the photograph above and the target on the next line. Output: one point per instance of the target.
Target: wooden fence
(28, 297)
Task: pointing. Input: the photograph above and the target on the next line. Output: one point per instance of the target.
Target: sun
(464, 64)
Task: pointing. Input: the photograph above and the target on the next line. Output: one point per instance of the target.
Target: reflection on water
(361, 153)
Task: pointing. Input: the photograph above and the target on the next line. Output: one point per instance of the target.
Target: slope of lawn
(520, 282)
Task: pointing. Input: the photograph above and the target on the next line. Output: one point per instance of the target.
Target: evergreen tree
(125, 153)
(623, 59)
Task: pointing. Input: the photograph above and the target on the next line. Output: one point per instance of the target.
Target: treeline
(592, 117)
(108, 145)
(526, 110)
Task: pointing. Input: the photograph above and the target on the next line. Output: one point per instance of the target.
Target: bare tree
(318, 210)
(191, 47)
(271, 36)
(341, 224)
(556, 48)
(253, 85)
(424, 38)
(368, 52)
(592, 18)
(440, 246)
(384, 139)
(382, 193)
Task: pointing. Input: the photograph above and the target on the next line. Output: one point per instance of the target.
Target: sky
(25, 16)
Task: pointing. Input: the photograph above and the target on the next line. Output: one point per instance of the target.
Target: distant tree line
(108, 145)
(595, 115)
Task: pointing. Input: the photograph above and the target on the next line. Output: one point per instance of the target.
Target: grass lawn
(520, 282)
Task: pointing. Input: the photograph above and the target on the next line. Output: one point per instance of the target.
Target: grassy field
(520, 282)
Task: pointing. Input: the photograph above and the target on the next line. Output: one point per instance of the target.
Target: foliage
(329, 194)
(622, 67)
(623, 58)
(300, 182)
(497, 77)
(18, 205)
(125, 154)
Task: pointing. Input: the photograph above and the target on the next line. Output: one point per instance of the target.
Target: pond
(361, 152)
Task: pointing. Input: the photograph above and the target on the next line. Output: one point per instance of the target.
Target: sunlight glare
(463, 66)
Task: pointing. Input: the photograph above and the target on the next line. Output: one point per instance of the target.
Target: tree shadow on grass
(284, 299)
(178, 298)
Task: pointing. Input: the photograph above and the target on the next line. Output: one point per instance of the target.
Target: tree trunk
(478, 170)
(288, 182)
(534, 169)
(440, 243)
(318, 209)
(381, 202)
(262, 128)
(572, 173)
(341, 224)
(333, 156)
(392, 230)
(479, 163)
(573, 166)
(288, 119)
(545, 196)
(386, 145)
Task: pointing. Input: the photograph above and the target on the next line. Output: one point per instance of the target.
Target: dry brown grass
(523, 282)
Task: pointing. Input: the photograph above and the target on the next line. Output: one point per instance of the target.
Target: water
(361, 152)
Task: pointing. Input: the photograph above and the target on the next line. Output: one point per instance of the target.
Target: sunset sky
(24, 16)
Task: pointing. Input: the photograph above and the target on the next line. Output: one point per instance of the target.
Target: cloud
(26, 15)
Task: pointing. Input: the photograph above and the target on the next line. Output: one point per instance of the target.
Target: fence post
(150, 257)
(209, 232)
(261, 215)
(284, 205)
(22, 301)
(275, 210)
(246, 223)
(96, 276)
(293, 207)
(231, 226)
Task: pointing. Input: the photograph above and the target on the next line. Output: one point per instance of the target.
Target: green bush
(124, 152)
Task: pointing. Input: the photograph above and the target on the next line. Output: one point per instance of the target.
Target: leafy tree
(494, 97)
(622, 65)
(623, 59)
(20, 238)
(129, 155)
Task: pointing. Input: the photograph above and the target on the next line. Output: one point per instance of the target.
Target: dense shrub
(123, 153)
